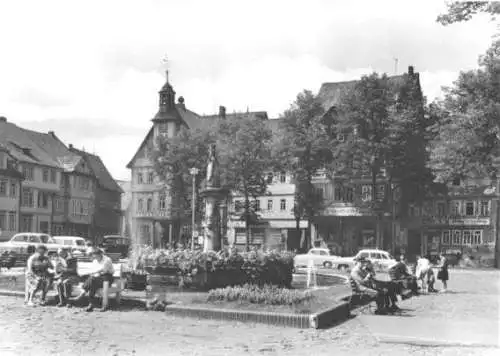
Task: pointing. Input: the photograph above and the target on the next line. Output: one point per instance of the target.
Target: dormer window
(163, 129)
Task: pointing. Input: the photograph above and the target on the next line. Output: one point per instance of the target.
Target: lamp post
(194, 172)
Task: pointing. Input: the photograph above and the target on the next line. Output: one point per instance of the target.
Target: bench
(357, 293)
(105, 292)
(7, 260)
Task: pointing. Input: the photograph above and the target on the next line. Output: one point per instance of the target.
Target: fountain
(312, 275)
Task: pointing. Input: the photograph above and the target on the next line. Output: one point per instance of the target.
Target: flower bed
(259, 295)
(216, 270)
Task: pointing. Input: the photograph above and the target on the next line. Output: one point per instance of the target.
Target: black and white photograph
(217, 177)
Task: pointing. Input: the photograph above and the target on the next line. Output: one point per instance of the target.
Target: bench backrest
(83, 267)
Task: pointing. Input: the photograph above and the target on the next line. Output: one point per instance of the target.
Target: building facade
(10, 188)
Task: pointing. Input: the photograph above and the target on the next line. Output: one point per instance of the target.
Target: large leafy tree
(244, 150)
(459, 11)
(303, 150)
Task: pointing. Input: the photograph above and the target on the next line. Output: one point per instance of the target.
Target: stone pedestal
(212, 229)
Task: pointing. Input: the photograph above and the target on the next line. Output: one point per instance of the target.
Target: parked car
(116, 244)
(76, 244)
(319, 256)
(381, 259)
(26, 242)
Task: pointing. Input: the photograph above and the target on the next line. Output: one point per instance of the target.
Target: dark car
(116, 244)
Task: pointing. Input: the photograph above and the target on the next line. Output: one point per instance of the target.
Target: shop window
(457, 237)
(477, 237)
(445, 238)
(469, 208)
(467, 237)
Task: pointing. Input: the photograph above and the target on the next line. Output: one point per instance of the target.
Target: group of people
(386, 292)
(42, 272)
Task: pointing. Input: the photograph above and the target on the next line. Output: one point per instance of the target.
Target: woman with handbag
(443, 275)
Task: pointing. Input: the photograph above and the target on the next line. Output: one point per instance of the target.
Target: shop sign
(470, 221)
(343, 211)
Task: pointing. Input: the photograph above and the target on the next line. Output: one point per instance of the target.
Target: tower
(167, 120)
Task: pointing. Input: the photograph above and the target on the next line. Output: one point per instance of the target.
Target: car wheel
(327, 264)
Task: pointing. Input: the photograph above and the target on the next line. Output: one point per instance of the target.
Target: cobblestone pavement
(49, 330)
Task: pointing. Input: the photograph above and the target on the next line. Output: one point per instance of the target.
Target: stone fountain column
(212, 195)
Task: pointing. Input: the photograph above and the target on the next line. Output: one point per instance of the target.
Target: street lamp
(194, 172)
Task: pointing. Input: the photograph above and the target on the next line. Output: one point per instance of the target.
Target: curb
(318, 320)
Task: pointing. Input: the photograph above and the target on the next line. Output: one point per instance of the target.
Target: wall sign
(470, 221)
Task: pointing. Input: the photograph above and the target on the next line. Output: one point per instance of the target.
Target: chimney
(180, 101)
(3, 119)
(70, 146)
(52, 133)
(222, 112)
(410, 71)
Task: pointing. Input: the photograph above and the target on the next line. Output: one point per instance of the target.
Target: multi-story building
(156, 218)
(106, 198)
(10, 187)
(126, 208)
(57, 192)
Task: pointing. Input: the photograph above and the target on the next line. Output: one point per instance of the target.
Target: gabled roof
(104, 178)
(32, 147)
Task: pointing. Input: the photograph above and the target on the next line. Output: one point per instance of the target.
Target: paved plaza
(53, 331)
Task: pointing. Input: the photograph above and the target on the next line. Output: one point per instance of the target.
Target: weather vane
(165, 63)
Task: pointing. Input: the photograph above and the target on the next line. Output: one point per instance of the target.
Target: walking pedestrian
(443, 274)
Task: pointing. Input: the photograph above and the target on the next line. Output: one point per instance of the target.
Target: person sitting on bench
(38, 275)
(399, 274)
(363, 278)
(66, 275)
(103, 272)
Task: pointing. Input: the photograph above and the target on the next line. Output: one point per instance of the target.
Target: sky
(90, 70)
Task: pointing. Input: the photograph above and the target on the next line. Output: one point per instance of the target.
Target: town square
(261, 178)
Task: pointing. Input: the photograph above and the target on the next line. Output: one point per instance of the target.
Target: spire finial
(165, 64)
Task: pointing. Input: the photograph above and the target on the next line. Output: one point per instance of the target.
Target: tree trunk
(247, 223)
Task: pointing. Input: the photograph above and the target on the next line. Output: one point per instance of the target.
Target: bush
(221, 269)
(266, 294)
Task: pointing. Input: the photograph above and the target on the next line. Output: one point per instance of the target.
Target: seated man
(363, 279)
(399, 274)
(66, 275)
(103, 271)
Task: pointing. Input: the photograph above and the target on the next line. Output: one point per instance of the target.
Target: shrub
(266, 294)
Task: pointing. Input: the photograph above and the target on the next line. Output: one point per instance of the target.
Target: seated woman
(38, 275)
(66, 275)
(400, 275)
(103, 271)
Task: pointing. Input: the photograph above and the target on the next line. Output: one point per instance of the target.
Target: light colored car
(381, 259)
(319, 256)
(20, 243)
(76, 244)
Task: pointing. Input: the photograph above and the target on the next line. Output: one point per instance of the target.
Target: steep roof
(330, 94)
(104, 178)
(33, 147)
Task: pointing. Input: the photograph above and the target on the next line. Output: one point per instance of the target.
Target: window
(2, 158)
(283, 204)
(163, 202)
(375, 256)
(58, 204)
(338, 193)
(27, 197)
(319, 193)
(469, 208)
(366, 193)
(12, 221)
(323, 253)
(441, 209)
(467, 237)
(139, 178)
(270, 204)
(26, 222)
(457, 237)
(283, 177)
(456, 181)
(44, 227)
(3, 187)
(140, 206)
(364, 255)
(53, 176)
(238, 205)
(149, 205)
(315, 252)
(349, 194)
(445, 240)
(21, 238)
(45, 175)
(145, 233)
(13, 189)
(485, 208)
(150, 178)
(257, 205)
(28, 173)
(43, 200)
(455, 208)
(380, 192)
(269, 179)
(477, 237)
(84, 183)
(163, 129)
(3, 220)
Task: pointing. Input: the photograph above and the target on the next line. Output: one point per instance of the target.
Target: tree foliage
(467, 134)
(304, 149)
(459, 11)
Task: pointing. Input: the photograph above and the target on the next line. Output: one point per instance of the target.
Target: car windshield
(80, 243)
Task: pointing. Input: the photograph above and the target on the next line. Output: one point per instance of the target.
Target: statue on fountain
(213, 177)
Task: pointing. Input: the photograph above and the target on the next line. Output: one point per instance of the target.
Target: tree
(303, 150)
(173, 158)
(244, 149)
(464, 11)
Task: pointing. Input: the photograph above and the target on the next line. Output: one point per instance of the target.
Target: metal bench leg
(105, 295)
